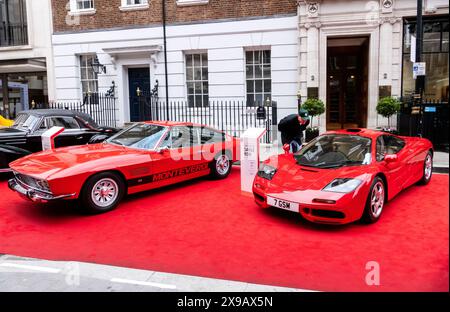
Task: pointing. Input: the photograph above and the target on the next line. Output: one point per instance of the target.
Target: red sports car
(343, 176)
(144, 156)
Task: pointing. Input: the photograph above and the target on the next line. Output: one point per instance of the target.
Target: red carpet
(207, 228)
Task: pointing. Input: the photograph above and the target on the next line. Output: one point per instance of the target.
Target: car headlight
(342, 185)
(266, 171)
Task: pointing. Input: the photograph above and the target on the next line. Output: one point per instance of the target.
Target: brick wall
(108, 14)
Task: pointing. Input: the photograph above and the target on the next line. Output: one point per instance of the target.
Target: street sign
(419, 69)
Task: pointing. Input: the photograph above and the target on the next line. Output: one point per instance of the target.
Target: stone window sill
(191, 2)
(134, 7)
(83, 12)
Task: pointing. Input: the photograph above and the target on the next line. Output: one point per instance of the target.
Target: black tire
(371, 212)
(218, 171)
(111, 181)
(426, 176)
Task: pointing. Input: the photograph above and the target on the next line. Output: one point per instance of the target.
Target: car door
(174, 161)
(396, 171)
(212, 142)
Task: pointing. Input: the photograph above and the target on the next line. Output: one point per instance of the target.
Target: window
(65, 122)
(139, 135)
(388, 145)
(180, 137)
(89, 79)
(191, 2)
(197, 79)
(85, 4)
(435, 55)
(258, 73)
(209, 136)
(13, 23)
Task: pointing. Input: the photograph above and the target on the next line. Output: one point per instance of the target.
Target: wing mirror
(390, 158)
(286, 148)
(163, 150)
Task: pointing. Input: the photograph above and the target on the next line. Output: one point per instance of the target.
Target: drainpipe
(165, 57)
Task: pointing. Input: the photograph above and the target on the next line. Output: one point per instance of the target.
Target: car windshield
(336, 150)
(25, 122)
(140, 135)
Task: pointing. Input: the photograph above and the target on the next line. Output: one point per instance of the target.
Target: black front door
(138, 87)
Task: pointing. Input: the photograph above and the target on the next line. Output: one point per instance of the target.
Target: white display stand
(48, 137)
(250, 156)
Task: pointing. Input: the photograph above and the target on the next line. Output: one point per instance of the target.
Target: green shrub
(387, 107)
(315, 107)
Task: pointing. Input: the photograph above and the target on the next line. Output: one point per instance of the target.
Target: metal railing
(230, 116)
(13, 34)
(101, 107)
(428, 118)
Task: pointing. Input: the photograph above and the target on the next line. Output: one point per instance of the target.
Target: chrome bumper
(5, 170)
(33, 194)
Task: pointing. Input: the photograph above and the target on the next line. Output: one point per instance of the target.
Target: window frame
(124, 6)
(82, 79)
(48, 118)
(194, 81)
(263, 79)
(73, 4)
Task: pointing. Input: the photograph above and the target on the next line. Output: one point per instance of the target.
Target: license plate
(282, 204)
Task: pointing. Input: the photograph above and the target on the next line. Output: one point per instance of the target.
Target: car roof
(368, 133)
(59, 112)
(173, 123)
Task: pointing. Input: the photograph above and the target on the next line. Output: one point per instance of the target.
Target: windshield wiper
(337, 165)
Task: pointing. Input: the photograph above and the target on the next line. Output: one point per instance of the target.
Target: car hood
(75, 160)
(291, 176)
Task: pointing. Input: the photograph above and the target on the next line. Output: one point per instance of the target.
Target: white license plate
(282, 204)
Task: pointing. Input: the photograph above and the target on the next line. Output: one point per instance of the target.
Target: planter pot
(311, 134)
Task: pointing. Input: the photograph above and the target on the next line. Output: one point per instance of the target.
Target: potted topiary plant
(315, 107)
(387, 107)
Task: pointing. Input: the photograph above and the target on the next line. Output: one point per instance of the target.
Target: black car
(24, 137)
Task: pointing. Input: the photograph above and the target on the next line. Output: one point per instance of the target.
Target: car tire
(102, 192)
(221, 165)
(375, 201)
(427, 169)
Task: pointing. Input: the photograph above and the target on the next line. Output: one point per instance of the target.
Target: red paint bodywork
(67, 169)
(300, 184)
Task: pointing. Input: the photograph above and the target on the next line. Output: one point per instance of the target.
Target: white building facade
(347, 53)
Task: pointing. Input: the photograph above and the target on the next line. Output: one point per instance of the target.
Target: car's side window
(381, 148)
(209, 136)
(393, 144)
(65, 122)
(179, 136)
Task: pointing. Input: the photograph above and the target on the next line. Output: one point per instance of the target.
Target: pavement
(18, 274)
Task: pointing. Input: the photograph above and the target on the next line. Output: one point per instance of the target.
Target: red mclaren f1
(343, 176)
(144, 156)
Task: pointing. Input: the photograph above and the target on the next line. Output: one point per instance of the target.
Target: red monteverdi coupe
(144, 156)
(343, 176)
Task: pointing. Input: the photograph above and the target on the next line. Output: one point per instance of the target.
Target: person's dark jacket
(291, 129)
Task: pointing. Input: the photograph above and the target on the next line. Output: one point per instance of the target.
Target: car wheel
(427, 169)
(102, 192)
(375, 201)
(221, 166)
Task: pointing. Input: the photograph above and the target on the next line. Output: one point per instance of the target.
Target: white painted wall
(225, 43)
(39, 19)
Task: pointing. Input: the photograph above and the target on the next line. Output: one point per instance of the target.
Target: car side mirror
(286, 148)
(390, 158)
(163, 150)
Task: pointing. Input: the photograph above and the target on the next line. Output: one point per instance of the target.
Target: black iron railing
(232, 116)
(427, 118)
(101, 107)
(13, 34)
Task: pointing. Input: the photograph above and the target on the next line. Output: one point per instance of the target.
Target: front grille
(258, 197)
(328, 214)
(27, 180)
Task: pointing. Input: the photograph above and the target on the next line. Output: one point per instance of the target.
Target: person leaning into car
(292, 127)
